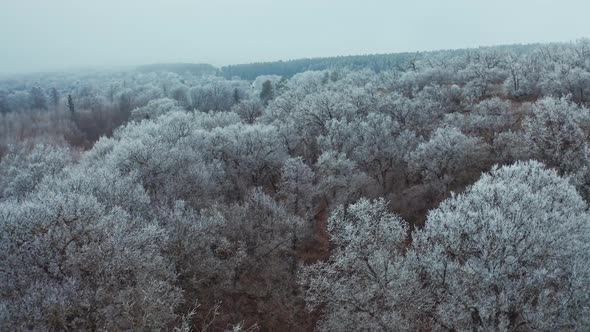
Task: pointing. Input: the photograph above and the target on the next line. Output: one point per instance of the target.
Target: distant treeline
(375, 62)
(197, 69)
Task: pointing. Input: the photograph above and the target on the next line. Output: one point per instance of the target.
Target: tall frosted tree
(510, 254)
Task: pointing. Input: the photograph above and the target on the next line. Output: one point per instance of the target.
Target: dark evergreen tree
(237, 96)
(71, 106)
(267, 93)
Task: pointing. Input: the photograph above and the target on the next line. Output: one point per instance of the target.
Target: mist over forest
(346, 187)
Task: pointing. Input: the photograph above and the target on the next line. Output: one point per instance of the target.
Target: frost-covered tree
(376, 143)
(251, 155)
(55, 98)
(89, 97)
(484, 69)
(68, 262)
(554, 134)
(296, 187)
(168, 157)
(420, 114)
(215, 95)
(244, 258)
(509, 147)
(21, 171)
(567, 78)
(155, 108)
(513, 64)
(38, 98)
(181, 95)
(340, 181)
(19, 101)
(510, 254)
(487, 118)
(449, 159)
(248, 110)
(316, 110)
(364, 285)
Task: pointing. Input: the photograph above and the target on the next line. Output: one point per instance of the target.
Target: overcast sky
(56, 34)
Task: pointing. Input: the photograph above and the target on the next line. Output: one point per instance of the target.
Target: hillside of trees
(439, 191)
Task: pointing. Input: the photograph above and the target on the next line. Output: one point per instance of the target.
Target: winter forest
(425, 191)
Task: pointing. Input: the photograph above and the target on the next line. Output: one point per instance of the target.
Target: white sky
(57, 34)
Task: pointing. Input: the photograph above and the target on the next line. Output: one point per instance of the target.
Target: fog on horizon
(51, 35)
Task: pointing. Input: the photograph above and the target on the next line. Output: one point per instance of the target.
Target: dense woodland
(439, 191)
